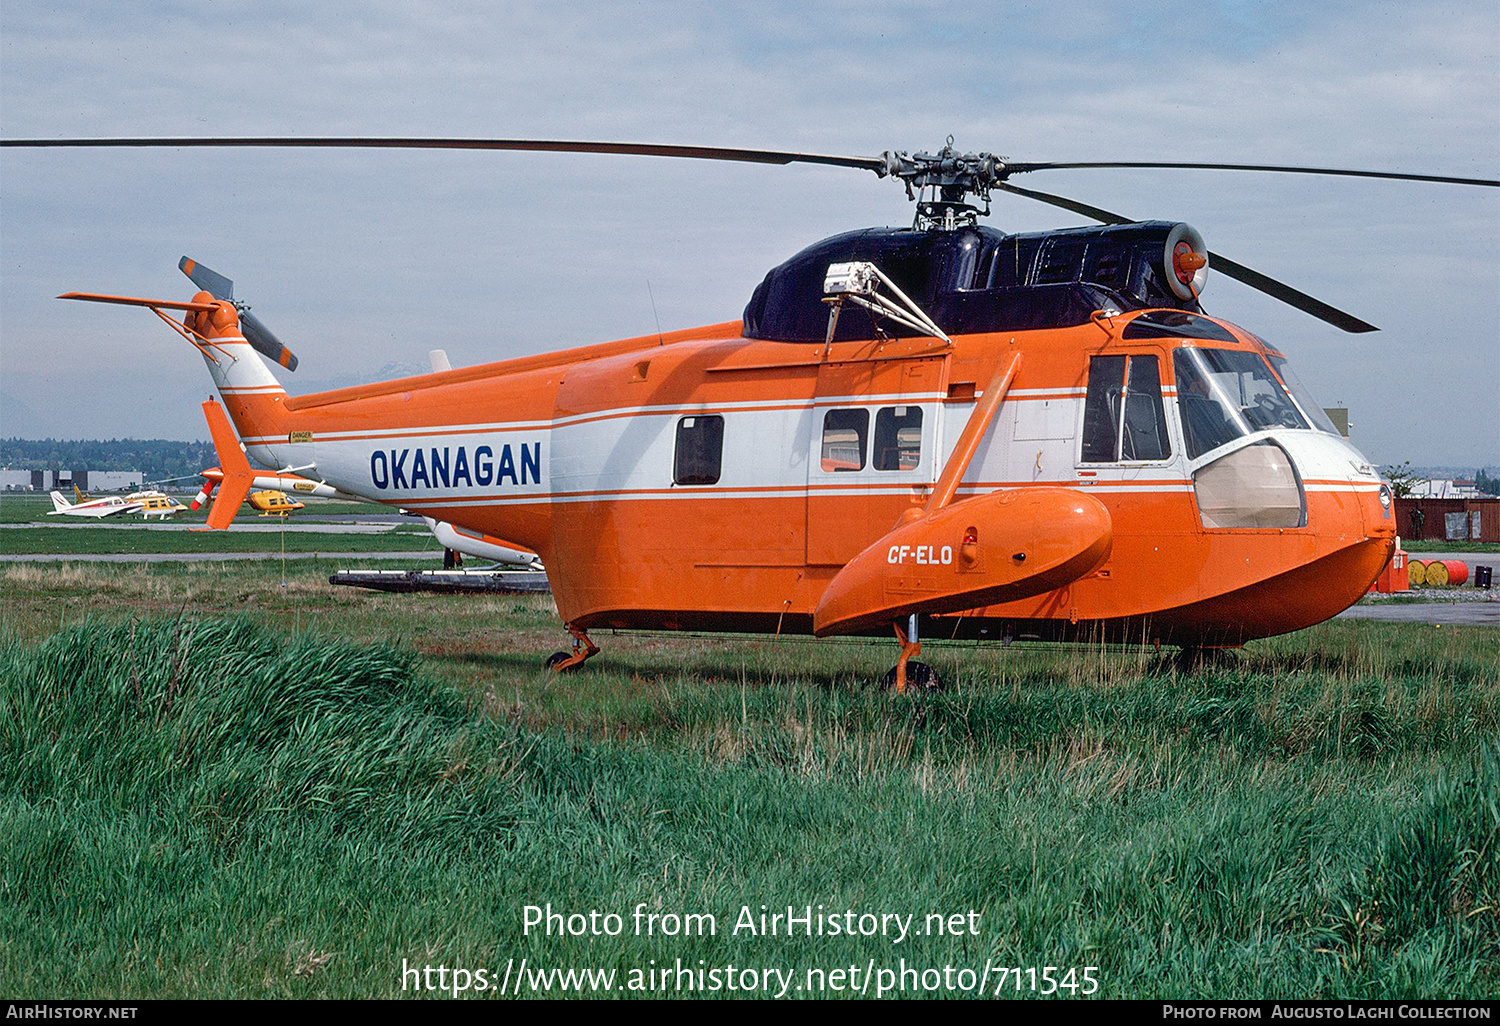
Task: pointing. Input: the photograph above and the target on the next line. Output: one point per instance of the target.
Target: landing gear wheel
(583, 649)
(919, 677)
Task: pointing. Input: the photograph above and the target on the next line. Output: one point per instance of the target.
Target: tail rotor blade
(260, 337)
(265, 341)
(207, 279)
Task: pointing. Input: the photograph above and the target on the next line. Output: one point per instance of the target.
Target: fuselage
(703, 480)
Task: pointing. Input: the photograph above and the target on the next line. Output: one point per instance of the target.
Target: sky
(362, 262)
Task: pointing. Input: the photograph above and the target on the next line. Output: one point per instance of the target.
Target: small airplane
(157, 504)
(108, 506)
(148, 503)
(942, 431)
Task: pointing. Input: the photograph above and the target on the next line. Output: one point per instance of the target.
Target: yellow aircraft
(272, 503)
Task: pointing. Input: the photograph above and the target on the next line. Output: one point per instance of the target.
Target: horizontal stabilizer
(165, 304)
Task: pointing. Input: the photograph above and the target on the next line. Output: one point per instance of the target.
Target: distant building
(1443, 488)
(66, 480)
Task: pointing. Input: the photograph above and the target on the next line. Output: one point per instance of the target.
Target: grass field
(217, 783)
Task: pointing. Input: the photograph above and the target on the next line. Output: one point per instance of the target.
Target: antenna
(661, 339)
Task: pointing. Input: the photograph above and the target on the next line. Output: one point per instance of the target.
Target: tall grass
(209, 807)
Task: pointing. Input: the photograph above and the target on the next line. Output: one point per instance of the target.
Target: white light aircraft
(148, 504)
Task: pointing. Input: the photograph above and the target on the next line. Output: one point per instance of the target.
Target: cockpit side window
(1143, 427)
(1123, 420)
(1101, 408)
(1206, 424)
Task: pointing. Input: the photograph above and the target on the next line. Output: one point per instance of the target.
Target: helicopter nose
(1349, 508)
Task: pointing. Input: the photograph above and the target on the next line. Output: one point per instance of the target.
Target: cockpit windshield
(1226, 393)
(1310, 408)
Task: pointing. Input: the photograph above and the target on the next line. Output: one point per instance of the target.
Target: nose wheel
(567, 662)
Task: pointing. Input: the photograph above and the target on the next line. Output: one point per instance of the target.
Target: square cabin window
(844, 435)
(700, 450)
(898, 438)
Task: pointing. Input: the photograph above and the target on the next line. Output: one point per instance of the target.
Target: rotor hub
(942, 183)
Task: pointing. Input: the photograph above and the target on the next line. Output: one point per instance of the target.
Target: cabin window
(700, 450)
(1123, 420)
(844, 435)
(898, 438)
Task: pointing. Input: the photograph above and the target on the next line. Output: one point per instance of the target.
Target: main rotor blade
(1284, 292)
(1097, 213)
(876, 164)
(1222, 264)
(1021, 167)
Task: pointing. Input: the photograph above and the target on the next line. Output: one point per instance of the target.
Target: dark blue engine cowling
(972, 280)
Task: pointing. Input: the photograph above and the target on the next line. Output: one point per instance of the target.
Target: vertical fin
(238, 477)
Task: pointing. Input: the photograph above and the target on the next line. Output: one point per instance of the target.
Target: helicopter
(935, 432)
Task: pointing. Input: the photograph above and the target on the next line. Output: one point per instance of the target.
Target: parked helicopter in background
(942, 431)
(270, 503)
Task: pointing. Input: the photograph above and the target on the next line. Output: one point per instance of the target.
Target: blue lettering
(507, 466)
(440, 468)
(461, 468)
(531, 461)
(380, 471)
(484, 470)
(398, 468)
(419, 469)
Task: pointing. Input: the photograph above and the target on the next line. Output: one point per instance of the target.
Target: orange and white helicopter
(942, 431)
